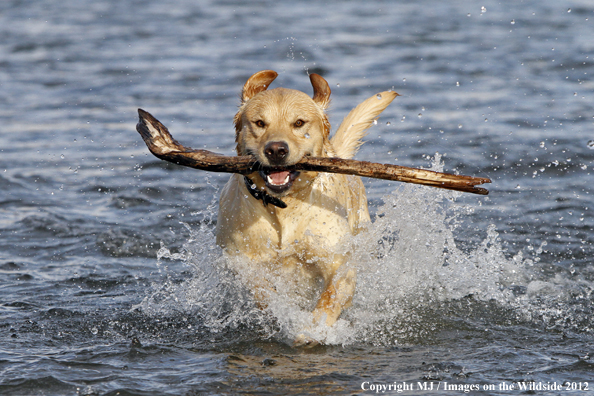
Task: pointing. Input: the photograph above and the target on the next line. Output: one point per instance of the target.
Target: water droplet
(591, 144)
(94, 330)
(459, 126)
(468, 15)
(62, 156)
(518, 187)
(388, 123)
(374, 122)
(457, 83)
(584, 167)
(542, 144)
(569, 10)
(420, 115)
(486, 119)
(404, 80)
(403, 118)
(483, 9)
(513, 22)
(379, 96)
(307, 136)
(338, 85)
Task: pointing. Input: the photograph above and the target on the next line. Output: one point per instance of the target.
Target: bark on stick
(160, 142)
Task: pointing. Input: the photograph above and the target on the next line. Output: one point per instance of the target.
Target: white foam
(408, 265)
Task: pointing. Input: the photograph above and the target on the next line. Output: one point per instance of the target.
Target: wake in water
(412, 279)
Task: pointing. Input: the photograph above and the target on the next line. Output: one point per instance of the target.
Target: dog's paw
(303, 341)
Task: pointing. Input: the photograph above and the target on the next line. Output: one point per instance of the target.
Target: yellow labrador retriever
(290, 224)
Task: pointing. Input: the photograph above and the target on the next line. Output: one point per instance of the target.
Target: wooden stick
(160, 142)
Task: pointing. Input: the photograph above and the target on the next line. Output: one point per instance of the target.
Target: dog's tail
(348, 138)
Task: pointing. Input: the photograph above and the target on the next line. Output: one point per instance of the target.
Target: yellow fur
(322, 208)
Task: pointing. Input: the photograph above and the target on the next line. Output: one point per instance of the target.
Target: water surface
(110, 279)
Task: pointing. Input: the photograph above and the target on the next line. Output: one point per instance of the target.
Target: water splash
(412, 280)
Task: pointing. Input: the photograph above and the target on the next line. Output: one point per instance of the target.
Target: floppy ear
(321, 90)
(257, 83)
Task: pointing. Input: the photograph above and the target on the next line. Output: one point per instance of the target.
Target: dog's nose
(276, 151)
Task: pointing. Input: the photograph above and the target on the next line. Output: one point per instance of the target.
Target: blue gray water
(110, 281)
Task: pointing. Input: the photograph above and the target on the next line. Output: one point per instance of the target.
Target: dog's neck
(262, 195)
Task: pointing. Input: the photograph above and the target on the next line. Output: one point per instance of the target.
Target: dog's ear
(321, 90)
(257, 83)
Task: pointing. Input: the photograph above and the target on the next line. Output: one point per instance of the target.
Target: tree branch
(160, 142)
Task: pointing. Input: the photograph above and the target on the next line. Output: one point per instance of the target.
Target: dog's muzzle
(276, 152)
(276, 180)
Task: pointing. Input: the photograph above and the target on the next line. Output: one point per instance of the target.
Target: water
(112, 284)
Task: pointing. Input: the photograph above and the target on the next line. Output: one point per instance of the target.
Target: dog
(291, 224)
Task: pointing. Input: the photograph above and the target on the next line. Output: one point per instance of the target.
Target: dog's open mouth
(278, 181)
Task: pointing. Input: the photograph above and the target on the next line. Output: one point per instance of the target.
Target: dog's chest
(311, 225)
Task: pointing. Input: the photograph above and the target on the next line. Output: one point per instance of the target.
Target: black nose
(276, 152)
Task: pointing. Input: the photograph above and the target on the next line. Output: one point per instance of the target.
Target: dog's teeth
(270, 181)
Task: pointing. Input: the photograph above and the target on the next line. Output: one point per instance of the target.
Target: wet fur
(301, 240)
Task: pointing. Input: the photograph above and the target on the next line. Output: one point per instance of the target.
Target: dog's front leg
(337, 296)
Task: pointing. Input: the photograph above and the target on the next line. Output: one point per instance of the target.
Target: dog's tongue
(278, 177)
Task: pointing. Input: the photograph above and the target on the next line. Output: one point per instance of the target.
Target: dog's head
(281, 126)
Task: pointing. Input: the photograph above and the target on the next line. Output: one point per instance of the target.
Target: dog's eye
(260, 124)
(299, 123)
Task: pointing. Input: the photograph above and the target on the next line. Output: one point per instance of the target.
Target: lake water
(110, 281)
